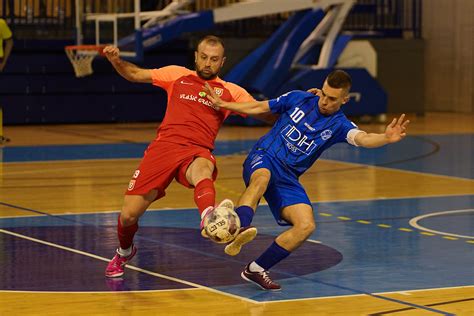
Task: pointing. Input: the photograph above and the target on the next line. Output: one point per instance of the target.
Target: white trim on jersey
(351, 136)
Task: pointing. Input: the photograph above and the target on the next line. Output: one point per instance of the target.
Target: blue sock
(274, 254)
(245, 214)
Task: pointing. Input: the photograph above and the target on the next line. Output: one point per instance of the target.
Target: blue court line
(101, 151)
(450, 155)
(152, 240)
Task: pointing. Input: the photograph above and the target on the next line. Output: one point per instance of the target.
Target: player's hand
(211, 95)
(396, 130)
(315, 91)
(112, 53)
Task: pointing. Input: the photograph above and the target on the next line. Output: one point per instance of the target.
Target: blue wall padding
(339, 44)
(268, 67)
(245, 71)
(373, 99)
(170, 30)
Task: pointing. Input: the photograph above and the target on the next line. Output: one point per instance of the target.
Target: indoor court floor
(395, 228)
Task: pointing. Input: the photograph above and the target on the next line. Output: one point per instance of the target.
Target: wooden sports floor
(395, 228)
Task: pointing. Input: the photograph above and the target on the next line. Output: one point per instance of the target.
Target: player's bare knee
(128, 219)
(199, 170)
(305, 229)
(260, 181)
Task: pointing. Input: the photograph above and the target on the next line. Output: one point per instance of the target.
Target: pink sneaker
(117, 264)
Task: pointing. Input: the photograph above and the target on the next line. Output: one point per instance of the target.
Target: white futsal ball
(222, 225)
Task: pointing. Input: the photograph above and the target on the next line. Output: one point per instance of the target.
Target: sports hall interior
(395, 225)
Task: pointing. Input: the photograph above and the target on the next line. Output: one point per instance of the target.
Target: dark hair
(339, 79)
(212, 40)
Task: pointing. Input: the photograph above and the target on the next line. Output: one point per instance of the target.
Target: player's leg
(133, 208)
(302, 219)
(200, 175)
(257, 185)
(149, 182)
(250, 198)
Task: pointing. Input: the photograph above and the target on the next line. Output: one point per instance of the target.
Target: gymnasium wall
(448, 32)
(400, 71)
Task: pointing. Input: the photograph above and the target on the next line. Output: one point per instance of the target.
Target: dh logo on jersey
(297, 141)
(326, 134)
(219, 91)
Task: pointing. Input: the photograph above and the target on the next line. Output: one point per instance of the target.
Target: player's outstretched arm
(250, 108)
(394, 132)
(126, 69)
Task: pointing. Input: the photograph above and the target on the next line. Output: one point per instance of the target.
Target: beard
(205, 75)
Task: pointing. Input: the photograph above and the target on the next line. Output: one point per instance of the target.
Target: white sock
(124, 252)
(254, 267)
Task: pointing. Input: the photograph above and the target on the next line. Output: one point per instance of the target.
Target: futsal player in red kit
(182, 149)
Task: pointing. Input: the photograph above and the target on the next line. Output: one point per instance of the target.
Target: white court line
(100, 292)
(159, 275)
(400, 170)
(414, 222)
(381, 293)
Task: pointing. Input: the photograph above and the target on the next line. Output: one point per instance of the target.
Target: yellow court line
(325, 214)
(344, 218)
(450, 238)
(427, 234)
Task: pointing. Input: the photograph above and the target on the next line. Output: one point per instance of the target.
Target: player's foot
(205, 213)
(261, 279)
(246, 235)
(117, 264)
(225, 203)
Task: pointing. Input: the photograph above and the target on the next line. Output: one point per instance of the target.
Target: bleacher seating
(40, 87)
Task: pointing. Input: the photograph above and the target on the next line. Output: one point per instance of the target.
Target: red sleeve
(239, 94)
(164, 77)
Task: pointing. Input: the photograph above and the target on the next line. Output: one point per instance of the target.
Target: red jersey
(190, 117)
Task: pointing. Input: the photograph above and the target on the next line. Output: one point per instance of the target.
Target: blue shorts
(283, 189)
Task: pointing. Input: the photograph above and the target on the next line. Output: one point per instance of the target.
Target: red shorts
(162, 162)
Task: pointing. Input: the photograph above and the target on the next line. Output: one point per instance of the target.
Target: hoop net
(81, 57)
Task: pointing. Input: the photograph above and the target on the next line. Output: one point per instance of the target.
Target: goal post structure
(99, 18)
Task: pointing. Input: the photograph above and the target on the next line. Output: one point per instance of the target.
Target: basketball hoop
(81, 57)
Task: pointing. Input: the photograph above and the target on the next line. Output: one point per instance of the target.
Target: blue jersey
(302, 133)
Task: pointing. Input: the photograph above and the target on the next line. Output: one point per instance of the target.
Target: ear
(345, 99)
(195, 56)
(223, 61)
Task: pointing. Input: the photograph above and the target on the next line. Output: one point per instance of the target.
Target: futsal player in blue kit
(307, 125)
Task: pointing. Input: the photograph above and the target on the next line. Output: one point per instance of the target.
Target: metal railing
(389, 18)
(384, 18)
